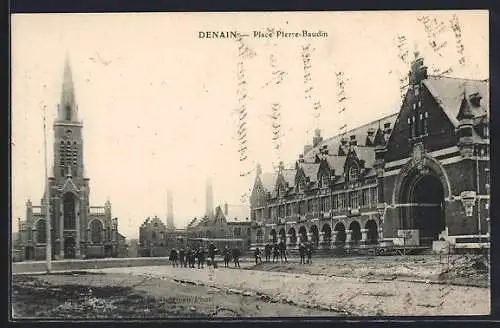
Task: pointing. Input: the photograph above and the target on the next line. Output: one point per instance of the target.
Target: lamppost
(48, 237)
(382, 210)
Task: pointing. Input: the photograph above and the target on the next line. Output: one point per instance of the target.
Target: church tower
(78, 229)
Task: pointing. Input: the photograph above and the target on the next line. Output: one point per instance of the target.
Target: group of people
(189, 257)
(278, 250)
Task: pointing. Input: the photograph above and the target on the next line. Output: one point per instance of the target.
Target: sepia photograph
(250, 164)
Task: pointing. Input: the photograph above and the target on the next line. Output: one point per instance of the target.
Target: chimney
(317, 138)
(418, 71)
(226, 209)
(475, 99)
(301, 158)
(353, 141)
(307, 148)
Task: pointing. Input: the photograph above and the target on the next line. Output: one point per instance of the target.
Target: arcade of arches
(324, 236)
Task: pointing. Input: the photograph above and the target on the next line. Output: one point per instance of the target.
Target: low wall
(69, 265)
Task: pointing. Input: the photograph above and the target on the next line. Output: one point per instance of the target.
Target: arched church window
(69, 211)
(68, 112)
(41, 235)
(353, 173)
(96, 231)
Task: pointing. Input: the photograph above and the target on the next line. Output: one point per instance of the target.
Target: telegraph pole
(48, 237)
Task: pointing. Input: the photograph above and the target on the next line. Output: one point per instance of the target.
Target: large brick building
(78, 230)
(416, 176)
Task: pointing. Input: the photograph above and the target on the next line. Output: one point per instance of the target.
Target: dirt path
(353, 296)
(117, 295)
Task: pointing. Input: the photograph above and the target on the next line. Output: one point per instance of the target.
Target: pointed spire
(67, 107)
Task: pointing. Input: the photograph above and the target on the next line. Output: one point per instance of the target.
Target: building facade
(414, 177)
(78, 230)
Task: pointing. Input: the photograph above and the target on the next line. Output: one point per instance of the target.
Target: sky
(161, 106)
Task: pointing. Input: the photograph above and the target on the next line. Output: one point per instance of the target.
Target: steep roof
(269, 180)
(336, 162)
(289, 176)
(310, 170)
(449, 93)
(360, 132)
(366, 154)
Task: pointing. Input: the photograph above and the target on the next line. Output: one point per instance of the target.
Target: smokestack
(209, 194)
(170, 210)
(226, 210)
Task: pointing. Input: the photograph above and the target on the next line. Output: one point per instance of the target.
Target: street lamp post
(48, 237)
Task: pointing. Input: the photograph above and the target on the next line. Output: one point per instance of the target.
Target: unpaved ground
(118, 295)
(348, 295)
(469, 270)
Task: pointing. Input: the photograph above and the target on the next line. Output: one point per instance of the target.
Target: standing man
(227, 256)
(276, 252)
(236, 257)
(267, 250)
(309, 252)
(282, 247)
(182, 257)
(211, 253)
(302, 253)
(256, 254)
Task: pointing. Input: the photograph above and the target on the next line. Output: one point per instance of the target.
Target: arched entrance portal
(303, 234)
(314, 234)
(423, 206)
(293, 236)
(69, 248)
(341, 236)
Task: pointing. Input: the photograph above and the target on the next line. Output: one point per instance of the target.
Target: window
(237, 232)
(353, 173)
(353, 199)
(426, 123)
(374, 195)
(335, 200)
(68, 112)
(41, 236)
(486, 131)
(69, 211)
(281, 211)
(96, 231)
(342, 201)
(365, 198)
(322, 204)
(288, 209)
(309, 205)
(302, 207)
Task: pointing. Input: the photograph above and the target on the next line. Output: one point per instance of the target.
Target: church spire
(67, 106)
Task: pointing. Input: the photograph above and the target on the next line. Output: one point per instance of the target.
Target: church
(417, 177)
(78, 230)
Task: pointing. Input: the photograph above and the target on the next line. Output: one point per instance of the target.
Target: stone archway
(341, 235)
(423, 195)
(69, 208)
(327, 233)
(259, 236)
(355, 232)
(69, 248)
(372, 232)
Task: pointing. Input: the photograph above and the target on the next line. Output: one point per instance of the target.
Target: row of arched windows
(96, 229)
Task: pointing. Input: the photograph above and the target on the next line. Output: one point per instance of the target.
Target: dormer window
(486, 131)
(353, 173)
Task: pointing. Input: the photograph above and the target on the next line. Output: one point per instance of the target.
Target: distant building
(227, 222)
(155, 239)
(78, 229)
(414, 177)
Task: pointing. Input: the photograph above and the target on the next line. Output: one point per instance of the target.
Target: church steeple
(68, 110)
